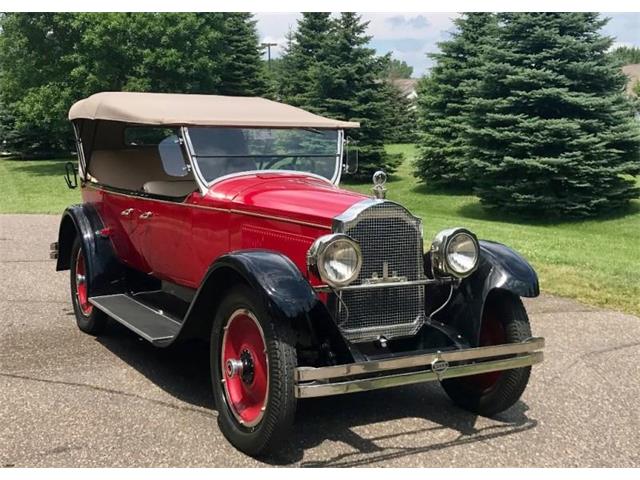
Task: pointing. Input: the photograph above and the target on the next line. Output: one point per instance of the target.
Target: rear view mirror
(173, 161)
(351, 156)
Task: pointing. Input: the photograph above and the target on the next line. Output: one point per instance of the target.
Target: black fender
(500, 269)
(104, 271)
(278, 282)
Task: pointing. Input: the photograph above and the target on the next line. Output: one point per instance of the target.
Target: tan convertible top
(204, 110)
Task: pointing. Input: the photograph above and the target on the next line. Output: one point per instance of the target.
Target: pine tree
(346, 85)
(401, 116)
(443, 100)
(243, 71)
(552, 133)
(304, 48)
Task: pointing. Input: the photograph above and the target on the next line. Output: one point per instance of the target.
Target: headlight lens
(455, 251)
(336, 259)
(462, 253)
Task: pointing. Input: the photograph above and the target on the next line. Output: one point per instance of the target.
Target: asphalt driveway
(69, 399)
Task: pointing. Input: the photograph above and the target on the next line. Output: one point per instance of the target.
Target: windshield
(223, 151)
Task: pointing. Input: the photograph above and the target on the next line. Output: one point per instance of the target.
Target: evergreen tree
(551, 131)
(401, 116)
(626, 55)
(346, 85)
(397, 69)
(243, 70)
(443, 102)
(304, 49)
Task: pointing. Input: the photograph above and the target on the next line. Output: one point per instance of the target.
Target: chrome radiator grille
(390, 235)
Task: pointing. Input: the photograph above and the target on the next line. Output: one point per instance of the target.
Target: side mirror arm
(70, 169)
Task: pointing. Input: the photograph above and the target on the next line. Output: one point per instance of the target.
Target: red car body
(180, 240)
(232, 228)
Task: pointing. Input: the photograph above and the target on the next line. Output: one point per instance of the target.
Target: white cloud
(411, 35)
(408, 25)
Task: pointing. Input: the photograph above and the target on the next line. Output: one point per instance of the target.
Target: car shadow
(46, 168)
(478, 211)
(183, 372)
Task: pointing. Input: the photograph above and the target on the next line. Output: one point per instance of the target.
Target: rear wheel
(504, 321)
(89, 319)
(253, 359)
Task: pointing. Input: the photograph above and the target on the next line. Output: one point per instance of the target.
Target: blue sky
(410, 36)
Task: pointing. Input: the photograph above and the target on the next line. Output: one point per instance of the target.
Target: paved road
(68, 399)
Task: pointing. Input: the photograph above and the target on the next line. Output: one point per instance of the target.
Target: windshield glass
(223, 151)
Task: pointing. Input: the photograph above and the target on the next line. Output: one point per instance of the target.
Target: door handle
(127, 212)
(146, 215)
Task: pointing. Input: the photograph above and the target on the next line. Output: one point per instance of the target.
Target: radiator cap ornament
(379, 179)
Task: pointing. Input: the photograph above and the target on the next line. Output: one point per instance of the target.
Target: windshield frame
(206, 185)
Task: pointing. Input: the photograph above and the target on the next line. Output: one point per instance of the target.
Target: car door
(164, 240)
(121, 214)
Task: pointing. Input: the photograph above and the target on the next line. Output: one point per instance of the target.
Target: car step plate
(153, 325)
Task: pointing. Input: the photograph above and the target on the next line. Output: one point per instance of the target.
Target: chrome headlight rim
(440, 252)
(316, 259)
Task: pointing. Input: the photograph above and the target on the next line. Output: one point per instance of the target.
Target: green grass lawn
(594, 261)
(34, 186)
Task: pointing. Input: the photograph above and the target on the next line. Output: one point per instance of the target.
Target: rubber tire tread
(512, 383)
(268, 435)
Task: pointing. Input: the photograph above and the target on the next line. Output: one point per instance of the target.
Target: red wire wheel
(81, 285)
(245, 368)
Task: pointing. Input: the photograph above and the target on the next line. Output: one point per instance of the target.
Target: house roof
(202, 110)
(406, 85)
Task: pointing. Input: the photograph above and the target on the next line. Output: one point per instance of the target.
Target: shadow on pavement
(183, 372)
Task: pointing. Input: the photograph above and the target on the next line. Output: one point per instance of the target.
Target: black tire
(93, 321)
(279, 411)
(505, 388)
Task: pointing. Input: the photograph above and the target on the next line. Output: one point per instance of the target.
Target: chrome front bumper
(372, 375)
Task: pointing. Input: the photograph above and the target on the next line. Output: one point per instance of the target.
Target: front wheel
(504, 321)
(89, 319)
(253, 360)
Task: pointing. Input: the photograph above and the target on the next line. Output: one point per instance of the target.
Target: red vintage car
(221, 218)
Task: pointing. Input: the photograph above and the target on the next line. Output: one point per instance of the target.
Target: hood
(297, 196)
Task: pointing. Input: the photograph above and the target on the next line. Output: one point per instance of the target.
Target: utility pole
(268, 45)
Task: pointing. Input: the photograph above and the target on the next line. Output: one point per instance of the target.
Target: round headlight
(455, 251)
(336, 259)
(462, 253)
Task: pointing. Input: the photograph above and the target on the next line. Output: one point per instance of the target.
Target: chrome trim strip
(304, 374)
(352, 213)
(270, 172)
(341, 222)
(337, 176)
(361, 385)
(204, 185)
(365, 286)
(200, 180)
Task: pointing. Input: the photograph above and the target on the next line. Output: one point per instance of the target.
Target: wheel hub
(245, 370)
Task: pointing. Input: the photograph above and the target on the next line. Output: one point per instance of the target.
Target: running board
(151, 324)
